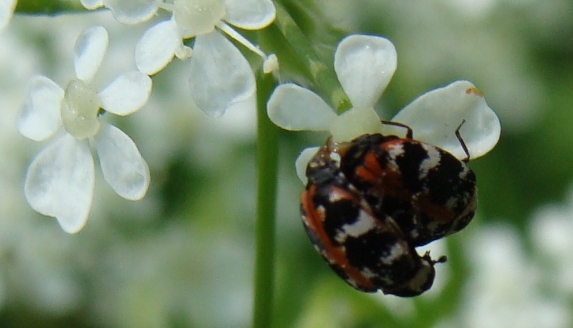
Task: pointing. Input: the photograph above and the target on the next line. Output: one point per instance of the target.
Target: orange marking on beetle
(335, 254)
(439, 213)
(388, 180)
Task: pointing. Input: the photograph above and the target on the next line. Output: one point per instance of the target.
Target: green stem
(324, 77)
(267, 163)
(48, 7)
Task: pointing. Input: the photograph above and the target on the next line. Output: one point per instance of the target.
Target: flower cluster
(219, 75)
(60, 180)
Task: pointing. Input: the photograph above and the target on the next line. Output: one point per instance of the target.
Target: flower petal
(60, 182)
(126, 94)
(89, 51)
(132, 11)
(41, 115)
(435, 116)
(302, 162)
(295, 108)
(157, 46)
(365, 65)
(250, 14)
(92, 4)
(121, 163)
(220, 74)
(6, 11)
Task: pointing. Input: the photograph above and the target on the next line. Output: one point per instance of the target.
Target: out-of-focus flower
(505, 288)
(364, 66)
(551, 231)
(6, 11)
(60, 180)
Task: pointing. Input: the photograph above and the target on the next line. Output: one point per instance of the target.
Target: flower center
(354, 123)
(198, 16)
(79, 110)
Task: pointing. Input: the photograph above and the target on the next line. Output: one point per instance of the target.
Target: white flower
(60, 180)
(220, 76)
(505, 287)
(364, 66)
(6, 11)
(551, 230)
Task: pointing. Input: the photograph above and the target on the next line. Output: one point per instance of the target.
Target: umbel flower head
(60, 179)
(364, 66)
(219, 75)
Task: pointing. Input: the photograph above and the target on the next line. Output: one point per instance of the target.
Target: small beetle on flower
(364, 66)
(367, 207)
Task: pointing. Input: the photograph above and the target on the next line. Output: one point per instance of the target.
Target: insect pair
(367, 211)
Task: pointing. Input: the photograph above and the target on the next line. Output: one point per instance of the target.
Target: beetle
(368, 251)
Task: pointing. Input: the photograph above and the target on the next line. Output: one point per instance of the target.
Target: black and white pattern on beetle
(426, 190)
(369, 252)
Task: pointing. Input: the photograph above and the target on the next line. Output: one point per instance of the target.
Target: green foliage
(48, 7)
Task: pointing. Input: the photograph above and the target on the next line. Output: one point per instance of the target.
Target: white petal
(6, 11)
(132, 11)
(41, 115)
(435, 116)
(89, 50)
(220, 75)
(250, 14)
(127, 94)
(302, 162)
(60, 182)
(295, 108)
(92, 4)
(121, 163)
(156, 47)
(365, 65)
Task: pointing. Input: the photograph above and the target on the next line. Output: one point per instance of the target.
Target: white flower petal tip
(92, 4)
(121, 162)
(89, 51)
(157, 47)
(127, 94)
(354, 123)
(41, 114)
(250, 14)
(132, 11)
(296, 109)
(302, 162)
(364, 66)
(271, 64)
(435, 116)
(220, 74)
(60, 182)
(6, 11)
